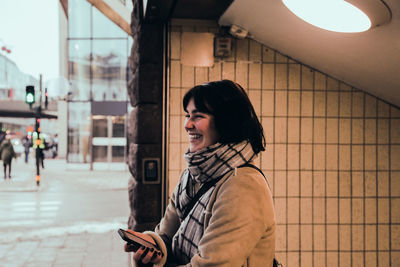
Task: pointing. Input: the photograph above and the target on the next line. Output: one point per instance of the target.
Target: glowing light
(332, 15)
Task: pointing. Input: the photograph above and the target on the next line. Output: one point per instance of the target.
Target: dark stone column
(145, 131)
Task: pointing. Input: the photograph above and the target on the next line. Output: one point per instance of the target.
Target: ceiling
(369, 61)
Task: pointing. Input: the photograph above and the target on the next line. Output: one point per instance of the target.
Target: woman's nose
(188, 123)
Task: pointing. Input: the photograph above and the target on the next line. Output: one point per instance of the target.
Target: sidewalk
(84, 242)
(23, 177)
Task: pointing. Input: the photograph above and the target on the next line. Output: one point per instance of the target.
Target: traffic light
(30, 94)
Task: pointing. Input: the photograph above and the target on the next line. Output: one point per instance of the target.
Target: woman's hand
(143, 253)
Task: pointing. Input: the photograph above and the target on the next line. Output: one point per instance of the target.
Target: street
(71, 219)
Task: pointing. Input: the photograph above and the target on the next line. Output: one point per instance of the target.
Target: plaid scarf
(204, 165)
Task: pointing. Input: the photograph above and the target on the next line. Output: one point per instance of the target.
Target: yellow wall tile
(294, 103)
(370, 106)
(306, 103)
(345, 104)
(332, 210)
(307, 76)
(294, 76)
(357, 238)
(332, 259)
(332, 131)
(357, 211)
(344, 184)
(201, 75)
(395, 183)
(306, 157)
(306, 243)
(344, 157)
(175, 45)
(319, 259)
(332, 157)
(174, 156)
(383, 157)
(384, 259)
(280, 186)
(306, 213)
(268, 127)
(242, 74)
(175, 102)
(281, 103)
(358, 104)
(383, 237)
(370, 184)
(395, 131)
(383, 210)
(293, 157)
(293, 236)
(319, 157)
(175, 74)
(395, 210)
(320, 81)
(255, 98)
(383, 131)
(280, 238)
(383, 109)
(332, 84)
(319, 210)
(228, 71)
(268, 76)
(332, 239)
(395, 237)
(293, 130)
(293, 183)
(370, 259)
(357, 131)
(268, 101)
(383, 184)
(319, 130)
(357, 157)
(242, 49)
(319, 183)
(175, 123)
(319, 237)
(370, 157)
(187, 76)
(332, 104)
(267, 158)
(268, 55)
(344, 259)
(395, 258)
(395, 157)
(344, 131)
(281, 76)
(344, 211)
(255, 51)
(344, 87)
(279, 58)
(358, 184)
(370, 211)
(319, 103)
(280, 214)
(215, 72)
(306, 130)
(394, 112)
(255, 76)
(280, 157)
(344, 240)
(293, 211)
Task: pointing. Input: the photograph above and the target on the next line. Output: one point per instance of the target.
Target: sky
(29, 28)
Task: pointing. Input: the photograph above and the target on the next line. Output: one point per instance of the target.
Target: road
(71, 219)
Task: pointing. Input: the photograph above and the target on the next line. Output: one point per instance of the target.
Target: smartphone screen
(135, 240)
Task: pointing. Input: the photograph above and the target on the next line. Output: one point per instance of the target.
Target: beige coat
(239, 228)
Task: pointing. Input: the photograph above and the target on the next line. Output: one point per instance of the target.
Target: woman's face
(200, 127)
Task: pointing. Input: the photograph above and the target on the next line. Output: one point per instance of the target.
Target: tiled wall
(333, 154)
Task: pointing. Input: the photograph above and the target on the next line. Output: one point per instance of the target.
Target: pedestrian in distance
(26, 142)
(221, 211)
(7, 153)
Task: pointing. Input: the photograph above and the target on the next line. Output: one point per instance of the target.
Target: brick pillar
(145, 130)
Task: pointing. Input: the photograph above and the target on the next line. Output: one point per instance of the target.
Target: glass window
(104, 27)
(118, 153)
(79, 19)
(109, 65)
(79, 69)
(100, 153)
(100, 126)
(78, 132)
(118, 126)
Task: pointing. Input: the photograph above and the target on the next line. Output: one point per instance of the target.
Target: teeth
(194, 136)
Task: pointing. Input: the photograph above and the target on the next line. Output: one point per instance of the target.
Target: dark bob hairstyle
(234, 115)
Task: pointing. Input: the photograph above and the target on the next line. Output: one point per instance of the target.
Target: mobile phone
(135, 240)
